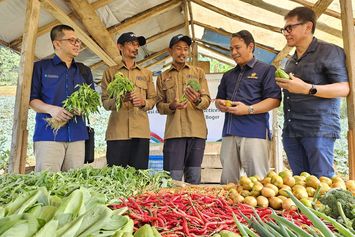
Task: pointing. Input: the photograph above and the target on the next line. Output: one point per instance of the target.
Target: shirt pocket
(169, 89)
(142, 87)
(311, 73)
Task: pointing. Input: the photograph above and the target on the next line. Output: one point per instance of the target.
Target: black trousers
(133, 152)
(183, 157)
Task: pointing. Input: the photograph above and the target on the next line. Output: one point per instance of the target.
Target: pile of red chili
(192, 214)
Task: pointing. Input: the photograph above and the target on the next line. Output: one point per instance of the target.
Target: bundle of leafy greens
(82, 102)
(194, 85)
(119, 87)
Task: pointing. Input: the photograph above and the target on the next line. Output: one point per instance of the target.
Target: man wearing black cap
(185, 130)
(128, 130)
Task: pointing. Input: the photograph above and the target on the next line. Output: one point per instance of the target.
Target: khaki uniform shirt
(129, 122)
(189, 122)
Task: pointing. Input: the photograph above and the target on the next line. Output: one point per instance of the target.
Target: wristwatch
(313, 90)
(251, 109)
(197, 102)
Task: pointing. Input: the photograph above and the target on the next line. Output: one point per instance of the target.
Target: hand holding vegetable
(295, 85)
(81, 102)
(60, 114)
(281, 74)
(223, 105)
(127, 97)
(137, 99)
(119, 88)
(192, 95)
(238, 108)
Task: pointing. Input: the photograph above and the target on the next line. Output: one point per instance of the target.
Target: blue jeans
(310, 154)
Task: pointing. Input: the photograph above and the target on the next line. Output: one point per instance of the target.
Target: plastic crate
(155, 162)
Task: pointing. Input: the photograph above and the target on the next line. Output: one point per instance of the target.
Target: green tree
(9, 64)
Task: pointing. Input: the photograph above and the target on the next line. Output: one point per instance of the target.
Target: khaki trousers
(238, 154)
(59, 156)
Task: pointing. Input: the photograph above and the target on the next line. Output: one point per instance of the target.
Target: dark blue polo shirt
(257, 82)
(307, 115)
(52, 83)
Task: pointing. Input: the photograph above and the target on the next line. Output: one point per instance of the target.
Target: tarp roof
(212, 20)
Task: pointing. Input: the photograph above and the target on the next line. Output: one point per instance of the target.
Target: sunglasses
(289, 28)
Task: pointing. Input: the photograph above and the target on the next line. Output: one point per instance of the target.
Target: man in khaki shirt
(128, 131)
(185, 130)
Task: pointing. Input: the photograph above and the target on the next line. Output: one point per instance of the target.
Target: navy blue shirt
(256, 83)
(308, 115)
(52, 83)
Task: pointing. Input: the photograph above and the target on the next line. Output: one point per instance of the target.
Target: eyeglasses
(72, 41)
(289, 28)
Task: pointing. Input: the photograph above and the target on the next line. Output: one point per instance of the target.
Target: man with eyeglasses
(53, 81)
(311, 98)
(128, 132)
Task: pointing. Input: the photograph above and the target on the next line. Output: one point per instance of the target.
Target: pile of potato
(271, 191)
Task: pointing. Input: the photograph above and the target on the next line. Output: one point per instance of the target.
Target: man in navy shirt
(246, 94)
(53, 81)
(311, 98)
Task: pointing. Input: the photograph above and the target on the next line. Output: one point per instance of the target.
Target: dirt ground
(7, 90)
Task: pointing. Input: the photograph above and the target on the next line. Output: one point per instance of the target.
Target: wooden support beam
(164, 33)
(236, 17)
(185, 7)
(349, 47)
(19, 131)
(282, 11)
(328, 12)
(194, 51)
(152, 56)
(212, 45)
(143, 16)
(15, 44)
(53, 9)
(157, 62)
(218, 59)
(319, 7)
(4, 43)
(208, 47)
(96, 28)
(229, 34)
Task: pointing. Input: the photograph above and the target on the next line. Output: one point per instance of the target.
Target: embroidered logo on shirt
(140, 78)
(253, 76)
(51, 76)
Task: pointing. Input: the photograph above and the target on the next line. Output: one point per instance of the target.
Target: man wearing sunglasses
(311, 98)
(53, 81)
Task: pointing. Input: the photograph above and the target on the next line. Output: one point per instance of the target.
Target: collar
(172, 67)
(250, 64)
(121, 65)
(311, 48)
(56, 60)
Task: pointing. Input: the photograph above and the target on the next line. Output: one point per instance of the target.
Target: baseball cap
(130, 36)
(178, 38)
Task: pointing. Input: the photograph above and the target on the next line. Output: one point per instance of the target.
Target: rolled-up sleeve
(270, 88)
(335, 67)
